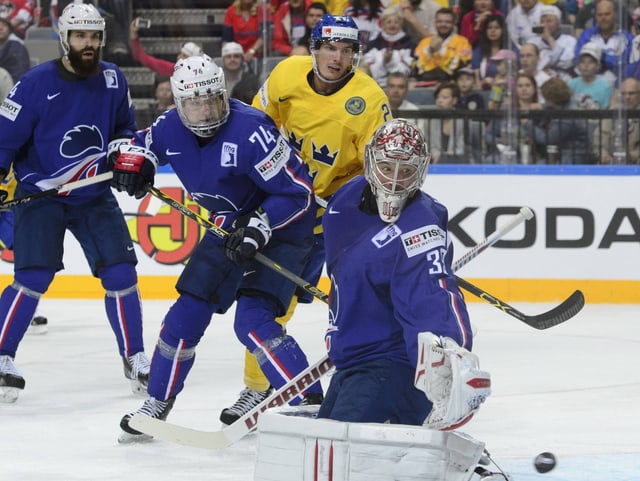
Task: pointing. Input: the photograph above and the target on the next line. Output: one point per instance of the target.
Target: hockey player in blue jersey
(233, 161)
(388, 256)
(55, 127)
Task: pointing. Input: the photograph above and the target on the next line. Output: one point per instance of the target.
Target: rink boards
(585, 233)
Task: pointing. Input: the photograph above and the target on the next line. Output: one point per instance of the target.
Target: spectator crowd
(482, 69)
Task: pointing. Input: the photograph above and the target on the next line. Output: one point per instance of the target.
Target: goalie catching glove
(450, 377)
(134, 170)
(251, 233)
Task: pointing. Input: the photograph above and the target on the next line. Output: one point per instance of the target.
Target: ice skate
(246, 402)
(151, 407)
(11, 381)
(136, 368)
(38, 325)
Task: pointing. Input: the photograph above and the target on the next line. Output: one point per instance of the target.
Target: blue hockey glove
(113, 150)
(134, 170)
(251, 233)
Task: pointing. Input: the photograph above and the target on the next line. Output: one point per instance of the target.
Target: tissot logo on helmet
(87, 21)
(202, 83)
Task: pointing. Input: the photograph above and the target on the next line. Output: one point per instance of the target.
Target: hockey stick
(524, 214)
(244, 425)
(57, 190)
(214, 229)
(562, 312)
(228, 435)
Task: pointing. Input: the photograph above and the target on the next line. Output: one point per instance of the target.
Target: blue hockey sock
(17, 306)
(278, 355)
(175, 353)
(281, 359)
(125, 316)
(122, 303)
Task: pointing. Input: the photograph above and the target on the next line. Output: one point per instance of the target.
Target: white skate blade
(138, 388)
(9, 394)
(128, 438)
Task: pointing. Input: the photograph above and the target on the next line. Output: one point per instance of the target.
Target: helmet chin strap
(316, 71)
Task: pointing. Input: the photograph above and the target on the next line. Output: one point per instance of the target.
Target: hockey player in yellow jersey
(328, 110)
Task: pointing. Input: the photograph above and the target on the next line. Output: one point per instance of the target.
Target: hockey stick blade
(559, 314)
(226, 436)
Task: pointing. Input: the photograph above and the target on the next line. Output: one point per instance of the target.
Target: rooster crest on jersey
(395, 165)
(81, 140)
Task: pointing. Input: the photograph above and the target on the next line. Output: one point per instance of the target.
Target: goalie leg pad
(451, 378)
(292, 446)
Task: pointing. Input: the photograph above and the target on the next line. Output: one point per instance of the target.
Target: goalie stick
(524, 214)
(230, 434)
(562, 312)
(57, 190)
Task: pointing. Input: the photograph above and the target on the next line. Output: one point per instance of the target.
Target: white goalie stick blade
(227, 436)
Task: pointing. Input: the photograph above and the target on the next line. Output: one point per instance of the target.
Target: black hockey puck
(544, 462)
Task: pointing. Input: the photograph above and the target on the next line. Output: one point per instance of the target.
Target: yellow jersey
(329, 131)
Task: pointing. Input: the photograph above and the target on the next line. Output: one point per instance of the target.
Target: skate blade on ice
(128, 438)
(138, 389)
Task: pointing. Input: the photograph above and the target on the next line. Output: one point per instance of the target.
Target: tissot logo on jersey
(276, 159)
(10, 109)
(423, 239)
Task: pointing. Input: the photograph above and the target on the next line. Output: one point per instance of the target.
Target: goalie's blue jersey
(245, 165)
(389, 282)
(55, 127)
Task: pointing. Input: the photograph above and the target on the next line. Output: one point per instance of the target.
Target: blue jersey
(245, 165)
(389, 282)
(55, 127)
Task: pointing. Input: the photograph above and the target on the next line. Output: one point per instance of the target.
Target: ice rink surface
(572, 390)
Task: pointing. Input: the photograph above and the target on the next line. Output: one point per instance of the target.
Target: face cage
(392, 194)
(205, 128)
(355, 61)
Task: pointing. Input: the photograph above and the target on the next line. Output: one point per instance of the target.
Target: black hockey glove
(251, 233)
(134, 170)
(113, 151)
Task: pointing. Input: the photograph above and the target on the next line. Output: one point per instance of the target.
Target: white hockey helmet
(79, 16)
(395, 165)
(200, 94)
